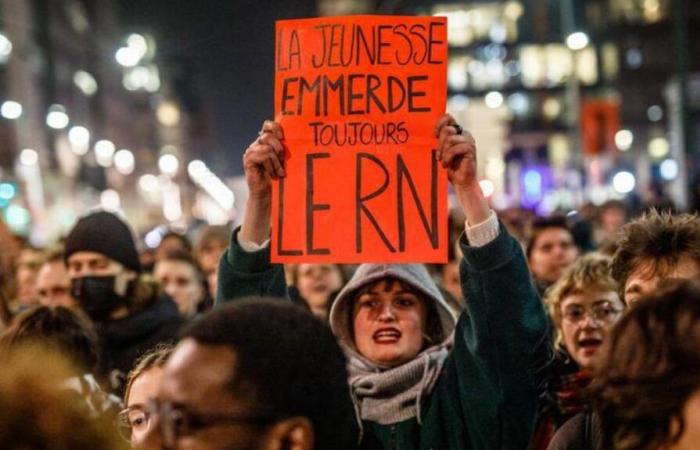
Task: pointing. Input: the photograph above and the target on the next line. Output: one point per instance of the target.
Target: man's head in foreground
(256, 374)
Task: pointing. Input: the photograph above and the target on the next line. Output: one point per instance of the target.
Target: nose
(386, 314)
(559, 251)
(169, 288)
(589, 321)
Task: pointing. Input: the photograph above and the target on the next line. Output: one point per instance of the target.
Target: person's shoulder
(571, 435)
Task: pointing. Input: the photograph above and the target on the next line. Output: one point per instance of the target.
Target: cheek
(304, 284)
(360, 325)
(413, 325)
(569, 334)
(334, 281)
(537, 259)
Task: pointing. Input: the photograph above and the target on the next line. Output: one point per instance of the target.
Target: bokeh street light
(57, 118)
(11, 110)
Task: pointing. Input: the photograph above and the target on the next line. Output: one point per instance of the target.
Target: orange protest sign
(358, 98)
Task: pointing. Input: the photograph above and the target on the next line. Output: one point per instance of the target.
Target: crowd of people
(566, 332)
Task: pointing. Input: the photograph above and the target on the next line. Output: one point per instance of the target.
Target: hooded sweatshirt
(382, 393)
(481, 396)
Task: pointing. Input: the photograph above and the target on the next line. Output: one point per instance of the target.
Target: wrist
(260, 196)
(476, 208)
(472, 188)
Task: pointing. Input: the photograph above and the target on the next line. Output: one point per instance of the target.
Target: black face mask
(96, 296)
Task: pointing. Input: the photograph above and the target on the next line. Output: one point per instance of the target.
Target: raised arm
(245, 269)
(501, 339)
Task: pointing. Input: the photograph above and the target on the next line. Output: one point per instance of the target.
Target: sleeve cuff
(250, 246)
(245, 260)
(482, 233)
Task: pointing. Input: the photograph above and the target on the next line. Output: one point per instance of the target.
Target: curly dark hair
(658, 239)
(68, 331)
(288, 361)
(640, 393)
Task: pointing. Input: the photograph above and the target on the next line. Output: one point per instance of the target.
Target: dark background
(223, 53)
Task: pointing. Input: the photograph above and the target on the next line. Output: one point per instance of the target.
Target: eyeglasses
(131, 418)
(175, 421)
(602, 312)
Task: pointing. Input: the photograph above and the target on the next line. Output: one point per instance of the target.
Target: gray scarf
(393, 395)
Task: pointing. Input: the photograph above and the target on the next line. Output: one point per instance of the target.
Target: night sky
(222, 53)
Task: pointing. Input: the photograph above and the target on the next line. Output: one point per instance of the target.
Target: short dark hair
(286, 359)
(182, 256)
(661, 239)
(544, 223)
(186, 244)
(640, 393)
(68, 331)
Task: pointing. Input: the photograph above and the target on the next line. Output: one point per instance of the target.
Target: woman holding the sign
(420, 378)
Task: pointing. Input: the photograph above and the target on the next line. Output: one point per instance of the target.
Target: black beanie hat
(103, 232)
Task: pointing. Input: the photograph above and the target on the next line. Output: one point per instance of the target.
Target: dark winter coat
(123, 341)
(486, 395)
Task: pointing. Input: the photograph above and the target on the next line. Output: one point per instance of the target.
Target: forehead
(29, 256)
(145, 386)
(86, 257)
(214, 243)
(174, 267)
(387, 286)
(591, 297)
(51, 272)
(652, 270)
(198, 375)
(306, 267)
(552, 234)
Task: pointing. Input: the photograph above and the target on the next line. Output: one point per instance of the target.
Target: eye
(573, 313)
(138, 419)
(405, 301)
(368, 303)
(605, 311)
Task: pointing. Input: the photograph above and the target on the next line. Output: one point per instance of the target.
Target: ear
(294, 433)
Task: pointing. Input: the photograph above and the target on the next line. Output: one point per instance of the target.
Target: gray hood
(415, 275)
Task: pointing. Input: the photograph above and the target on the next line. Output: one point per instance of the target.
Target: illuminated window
(587, 65)
(610, 61)
(496, 22)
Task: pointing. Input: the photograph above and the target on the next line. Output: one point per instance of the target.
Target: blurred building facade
(92, 117)
(572, 101)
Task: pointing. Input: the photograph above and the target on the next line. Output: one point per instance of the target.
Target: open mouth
(386, 336)
(590, 344)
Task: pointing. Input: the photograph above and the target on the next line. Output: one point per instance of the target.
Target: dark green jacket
(486, 396)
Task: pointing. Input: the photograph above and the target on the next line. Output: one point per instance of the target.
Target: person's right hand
(263, 160)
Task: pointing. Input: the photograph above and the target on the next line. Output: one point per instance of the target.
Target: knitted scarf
(392, 395)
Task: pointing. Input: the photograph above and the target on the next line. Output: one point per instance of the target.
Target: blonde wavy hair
(592, 272)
